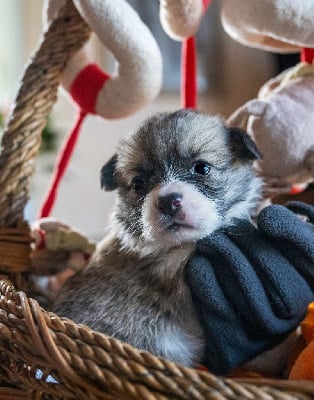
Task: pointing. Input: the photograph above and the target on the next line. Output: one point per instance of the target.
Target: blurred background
(229, 74)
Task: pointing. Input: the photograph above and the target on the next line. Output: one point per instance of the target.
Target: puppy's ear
(107, 174)
(242, 145)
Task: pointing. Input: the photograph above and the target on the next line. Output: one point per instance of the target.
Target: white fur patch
(197, 217)
(242, 209)
(178, 346)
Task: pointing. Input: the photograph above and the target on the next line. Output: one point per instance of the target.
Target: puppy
(179, 177)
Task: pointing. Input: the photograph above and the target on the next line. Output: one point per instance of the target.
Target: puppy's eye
(201, 168)
(138, 184)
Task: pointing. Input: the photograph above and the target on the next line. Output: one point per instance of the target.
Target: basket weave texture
(43, 356)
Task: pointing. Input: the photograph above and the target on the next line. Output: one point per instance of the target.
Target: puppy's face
(181, 176)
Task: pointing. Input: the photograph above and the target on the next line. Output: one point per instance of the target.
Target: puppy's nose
(170, 203)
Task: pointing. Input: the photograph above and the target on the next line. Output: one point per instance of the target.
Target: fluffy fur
(179, 177)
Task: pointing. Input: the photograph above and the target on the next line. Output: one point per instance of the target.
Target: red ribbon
(307, 55)
(84, 91)
(188, 70)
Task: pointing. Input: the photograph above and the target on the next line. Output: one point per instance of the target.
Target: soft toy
(280, 119)
(137, 81)
(57, 247)
(274, 25)
(181, 18)
(120, 29)
(58, 252)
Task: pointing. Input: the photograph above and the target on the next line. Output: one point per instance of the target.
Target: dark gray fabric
(251, 287)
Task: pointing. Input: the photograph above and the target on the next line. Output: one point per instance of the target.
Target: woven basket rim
(93, 365)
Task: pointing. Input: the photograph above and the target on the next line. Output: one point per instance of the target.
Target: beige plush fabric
(58, 247)
(180, 18)
(281, 122)
(138, 78)
(274, 25)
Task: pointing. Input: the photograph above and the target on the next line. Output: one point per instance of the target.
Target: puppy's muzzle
(169, 204)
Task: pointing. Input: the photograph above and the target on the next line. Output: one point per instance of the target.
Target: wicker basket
(43, 356)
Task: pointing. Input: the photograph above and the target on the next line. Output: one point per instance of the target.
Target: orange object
(303, 367)
(307, 325)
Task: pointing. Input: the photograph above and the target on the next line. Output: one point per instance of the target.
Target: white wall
(11, 47)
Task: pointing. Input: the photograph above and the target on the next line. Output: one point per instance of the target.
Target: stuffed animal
(58, 247)
(280, 119)
(119, 28)
(273, 25)
(180, 18)
(58, 252)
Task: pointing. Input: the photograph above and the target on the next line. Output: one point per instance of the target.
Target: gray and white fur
(179, 177)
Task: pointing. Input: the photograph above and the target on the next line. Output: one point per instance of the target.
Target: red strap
(188, 70)
(206, 4)
(307, 55)
(61, 165)
(188, 73)
(42, 236)
(84, 91)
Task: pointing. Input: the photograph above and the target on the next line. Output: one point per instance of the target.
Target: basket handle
(34, 101)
